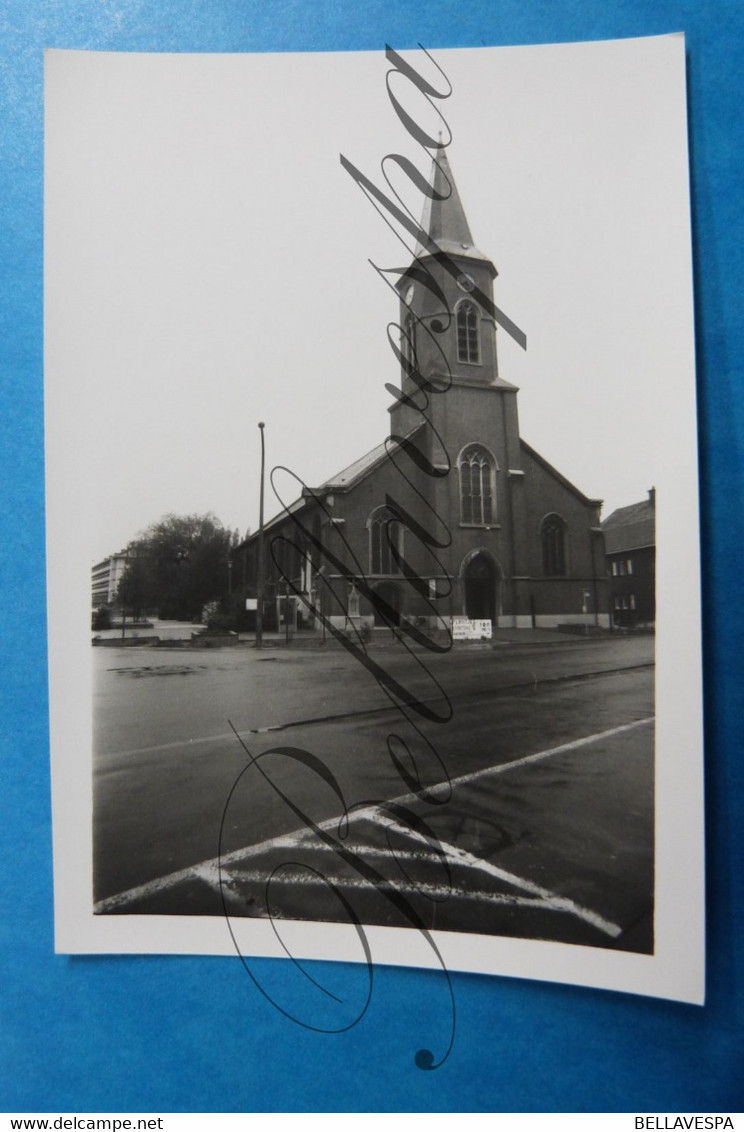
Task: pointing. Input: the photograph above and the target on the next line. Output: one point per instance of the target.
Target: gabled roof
(557, 475)
(291, 509)
(343, 481)
(362, 467)
(631, 527)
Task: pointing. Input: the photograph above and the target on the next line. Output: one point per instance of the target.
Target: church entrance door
(481, 582)
(393, 595)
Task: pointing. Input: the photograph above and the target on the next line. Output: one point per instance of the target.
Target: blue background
(193, 1034)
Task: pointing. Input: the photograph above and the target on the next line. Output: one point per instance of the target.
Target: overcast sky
(207, 266)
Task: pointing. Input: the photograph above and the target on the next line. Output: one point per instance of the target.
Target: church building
(454, 515)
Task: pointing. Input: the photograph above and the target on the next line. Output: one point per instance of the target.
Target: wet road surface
(527, 811)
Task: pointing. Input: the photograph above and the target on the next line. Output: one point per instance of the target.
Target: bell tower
(457, 410)
(448, 329)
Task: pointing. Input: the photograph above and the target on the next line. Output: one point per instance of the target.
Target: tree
(101, 618)
(176, 566)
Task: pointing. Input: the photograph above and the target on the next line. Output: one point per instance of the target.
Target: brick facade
(454, 515)
(630, 547)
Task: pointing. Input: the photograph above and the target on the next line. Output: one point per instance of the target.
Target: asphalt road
(516, 797)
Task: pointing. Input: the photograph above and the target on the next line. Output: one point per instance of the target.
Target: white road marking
(192, 742)
(563, 749)
(538, 897)
(205, 869)
(544, 896)
(299, 878)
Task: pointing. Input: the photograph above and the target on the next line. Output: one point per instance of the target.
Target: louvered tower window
(408, 344)
(468, 338)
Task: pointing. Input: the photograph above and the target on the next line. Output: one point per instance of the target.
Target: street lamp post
(260, 552)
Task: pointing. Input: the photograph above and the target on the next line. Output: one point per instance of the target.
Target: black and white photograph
(372, 510)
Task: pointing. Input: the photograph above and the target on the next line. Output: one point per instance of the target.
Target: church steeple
(447, 313)
(444, 218)
(449, 371)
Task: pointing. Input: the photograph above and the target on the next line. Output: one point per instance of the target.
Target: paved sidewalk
(384, 638)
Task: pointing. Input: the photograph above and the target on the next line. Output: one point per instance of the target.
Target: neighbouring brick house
(454, 514)
(630, 548)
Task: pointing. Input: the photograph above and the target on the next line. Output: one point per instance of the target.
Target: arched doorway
(480, 583)
(393, 595)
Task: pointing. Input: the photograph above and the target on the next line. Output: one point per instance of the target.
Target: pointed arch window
(553, 538)
(468, 332)
(477, 496)
(385, 532)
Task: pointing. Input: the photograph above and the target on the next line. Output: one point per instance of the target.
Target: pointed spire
(444, 217)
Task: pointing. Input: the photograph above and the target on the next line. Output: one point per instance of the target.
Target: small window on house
(385, 532)
(553, 538)
(477, 502)
(629, 565)
(468, 336)
(631, 601)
